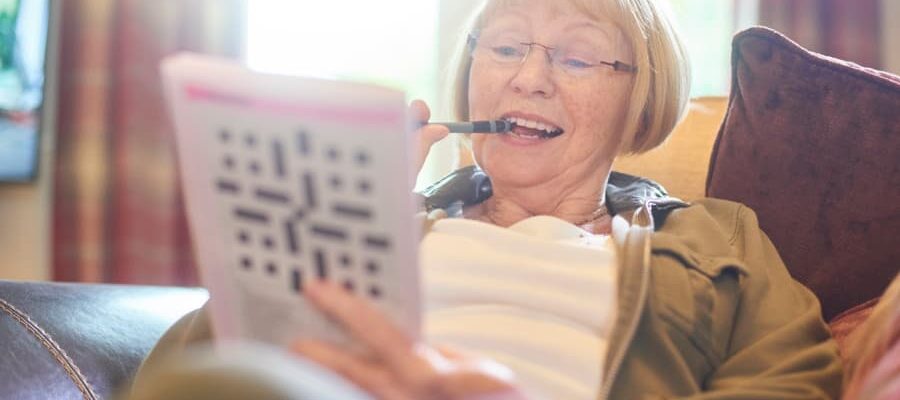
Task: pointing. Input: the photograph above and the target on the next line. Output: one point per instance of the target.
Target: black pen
(496, 126)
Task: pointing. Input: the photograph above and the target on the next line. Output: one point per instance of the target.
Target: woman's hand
(427, 134)
(394, 365)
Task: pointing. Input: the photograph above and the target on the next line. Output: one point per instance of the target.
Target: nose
(534, 74)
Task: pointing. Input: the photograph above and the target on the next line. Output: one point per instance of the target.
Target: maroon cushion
(812, 144)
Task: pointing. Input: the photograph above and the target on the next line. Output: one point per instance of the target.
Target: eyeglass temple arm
(471, 40)
(620, 66)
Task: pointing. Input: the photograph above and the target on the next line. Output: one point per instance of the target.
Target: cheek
(477, 102)
(484, 92)
(604, 109)
(600, 120)
(589, 113)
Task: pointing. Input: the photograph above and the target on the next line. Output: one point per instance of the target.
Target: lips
(533, 127)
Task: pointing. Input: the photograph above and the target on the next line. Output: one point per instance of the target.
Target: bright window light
(390, 42)
(707, 27)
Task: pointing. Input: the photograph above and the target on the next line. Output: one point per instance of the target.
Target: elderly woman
(578, 282)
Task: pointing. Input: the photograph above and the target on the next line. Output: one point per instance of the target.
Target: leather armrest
(81, 341)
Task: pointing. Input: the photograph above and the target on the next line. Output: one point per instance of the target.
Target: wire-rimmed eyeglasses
(511, 52)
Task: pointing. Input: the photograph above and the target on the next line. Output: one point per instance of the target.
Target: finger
(433, 217)
(452, 354)
(419, 111)
(373, 329)
(365, 374)
(472, 384)
(431, 134)
(478, 365)
(427, 135)
(362, 320)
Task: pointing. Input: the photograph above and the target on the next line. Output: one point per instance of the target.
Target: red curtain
(117, 211)
(846, 29)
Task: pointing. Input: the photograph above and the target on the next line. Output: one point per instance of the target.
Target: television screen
(23, 47)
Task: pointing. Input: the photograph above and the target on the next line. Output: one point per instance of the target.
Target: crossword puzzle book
(290, 179)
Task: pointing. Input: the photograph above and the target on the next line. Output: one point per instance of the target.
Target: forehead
(564, 14)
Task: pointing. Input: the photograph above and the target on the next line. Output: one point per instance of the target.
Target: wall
(890, 35)
(25, 208)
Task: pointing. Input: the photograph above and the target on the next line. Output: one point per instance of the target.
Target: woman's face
(579, 111)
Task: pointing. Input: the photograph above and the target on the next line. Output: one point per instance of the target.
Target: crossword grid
(307, 236)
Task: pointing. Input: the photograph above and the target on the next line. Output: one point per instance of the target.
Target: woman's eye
(505, 51)
(575, 63)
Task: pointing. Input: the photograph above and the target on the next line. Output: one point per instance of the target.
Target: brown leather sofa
(81, 341)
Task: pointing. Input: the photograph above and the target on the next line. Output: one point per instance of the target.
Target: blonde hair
(661, 87)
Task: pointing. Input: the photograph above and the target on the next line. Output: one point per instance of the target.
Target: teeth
(533, 124)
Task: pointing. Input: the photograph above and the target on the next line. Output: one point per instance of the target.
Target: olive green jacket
(707, 309)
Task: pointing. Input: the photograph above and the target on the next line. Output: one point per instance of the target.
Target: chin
(511, 175)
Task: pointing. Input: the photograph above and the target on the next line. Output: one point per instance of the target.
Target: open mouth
(528, 129)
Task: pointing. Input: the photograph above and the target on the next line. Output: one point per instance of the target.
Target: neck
(581, 204)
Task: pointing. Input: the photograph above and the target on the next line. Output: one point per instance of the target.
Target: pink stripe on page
(297, 109)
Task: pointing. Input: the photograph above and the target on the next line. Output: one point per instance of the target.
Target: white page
(289, 179)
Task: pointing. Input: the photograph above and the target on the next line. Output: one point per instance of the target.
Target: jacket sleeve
(780, 347)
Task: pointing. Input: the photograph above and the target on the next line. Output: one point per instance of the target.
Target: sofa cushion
(812, 144)
(680, 164)
(81, 341)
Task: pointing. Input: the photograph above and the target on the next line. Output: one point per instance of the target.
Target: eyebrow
(595, 26)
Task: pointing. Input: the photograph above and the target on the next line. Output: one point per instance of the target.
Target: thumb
(426, 135)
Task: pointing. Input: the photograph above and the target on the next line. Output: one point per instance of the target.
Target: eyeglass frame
(616, 65)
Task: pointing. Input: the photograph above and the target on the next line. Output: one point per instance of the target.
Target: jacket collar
(624, 194)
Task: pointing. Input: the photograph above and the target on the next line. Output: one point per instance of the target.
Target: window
(707, 27)
(391, 42)
(385, 42)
